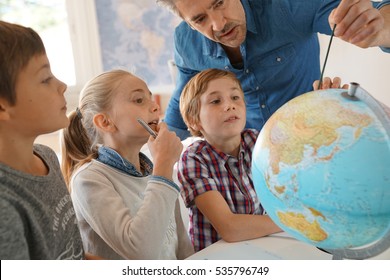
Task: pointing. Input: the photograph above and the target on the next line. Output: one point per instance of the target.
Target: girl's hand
(165, 150)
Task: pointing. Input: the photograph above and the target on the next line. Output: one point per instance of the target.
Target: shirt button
(262, 106)
(257, 88)
(247, 71)
(226, 67)
(278, 59)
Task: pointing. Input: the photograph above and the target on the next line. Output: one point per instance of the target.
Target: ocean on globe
(321, 169)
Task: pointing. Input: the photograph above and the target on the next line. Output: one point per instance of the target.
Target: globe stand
(356, 92)
(362, 253)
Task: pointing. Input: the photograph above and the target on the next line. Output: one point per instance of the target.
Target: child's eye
(139, 100)
(47, 80)
(215, 101)
(236, 97)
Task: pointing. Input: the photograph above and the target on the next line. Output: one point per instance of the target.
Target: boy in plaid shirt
(215, 172)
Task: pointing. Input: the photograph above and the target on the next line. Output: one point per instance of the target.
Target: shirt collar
(112, 158)
(250, 20)
(225, 157)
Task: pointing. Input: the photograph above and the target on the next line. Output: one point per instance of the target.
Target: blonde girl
(126, 207)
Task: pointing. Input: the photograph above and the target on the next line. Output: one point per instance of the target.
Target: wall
(368, 67)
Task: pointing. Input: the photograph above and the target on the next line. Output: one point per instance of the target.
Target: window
(69, 31)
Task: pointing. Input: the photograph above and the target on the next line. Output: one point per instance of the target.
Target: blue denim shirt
(112, 158)
(280, 55)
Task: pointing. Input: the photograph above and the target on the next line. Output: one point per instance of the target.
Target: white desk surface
(280, 246)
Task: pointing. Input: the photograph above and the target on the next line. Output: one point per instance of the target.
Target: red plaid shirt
(202, 168)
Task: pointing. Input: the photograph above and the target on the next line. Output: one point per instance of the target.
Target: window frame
(84, 35)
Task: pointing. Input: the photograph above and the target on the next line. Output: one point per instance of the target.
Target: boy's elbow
(229, 235)
(230, 238)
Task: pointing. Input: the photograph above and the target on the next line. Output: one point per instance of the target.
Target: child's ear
(4, 112)
(196, 126)
(103, 122)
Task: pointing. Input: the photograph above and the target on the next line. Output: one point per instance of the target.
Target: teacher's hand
(359, 23)
(329, 83)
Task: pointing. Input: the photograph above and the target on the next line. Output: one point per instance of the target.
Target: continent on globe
(313, 230)
(309, 121)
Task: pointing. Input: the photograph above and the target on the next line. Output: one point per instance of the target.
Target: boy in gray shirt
(37, 219)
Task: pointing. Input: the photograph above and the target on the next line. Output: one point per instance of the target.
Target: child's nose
(62, 87)
(230, 106)
(155, 107)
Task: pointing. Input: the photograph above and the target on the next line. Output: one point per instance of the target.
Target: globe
(321, 169)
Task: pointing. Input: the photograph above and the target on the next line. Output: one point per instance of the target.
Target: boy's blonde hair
(192, 92)
(80, 141)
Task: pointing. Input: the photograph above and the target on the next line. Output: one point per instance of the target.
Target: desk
(280, 246)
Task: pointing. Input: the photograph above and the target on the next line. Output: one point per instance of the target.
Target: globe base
(361, 253)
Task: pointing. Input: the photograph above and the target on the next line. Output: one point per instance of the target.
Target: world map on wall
(137, 35)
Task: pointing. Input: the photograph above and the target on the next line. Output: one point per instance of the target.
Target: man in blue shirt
(272, 46)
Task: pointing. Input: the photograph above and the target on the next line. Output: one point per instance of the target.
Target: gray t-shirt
(37, 218)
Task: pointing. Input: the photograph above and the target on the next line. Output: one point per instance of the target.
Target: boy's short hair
(190, 96)
(18, 44)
